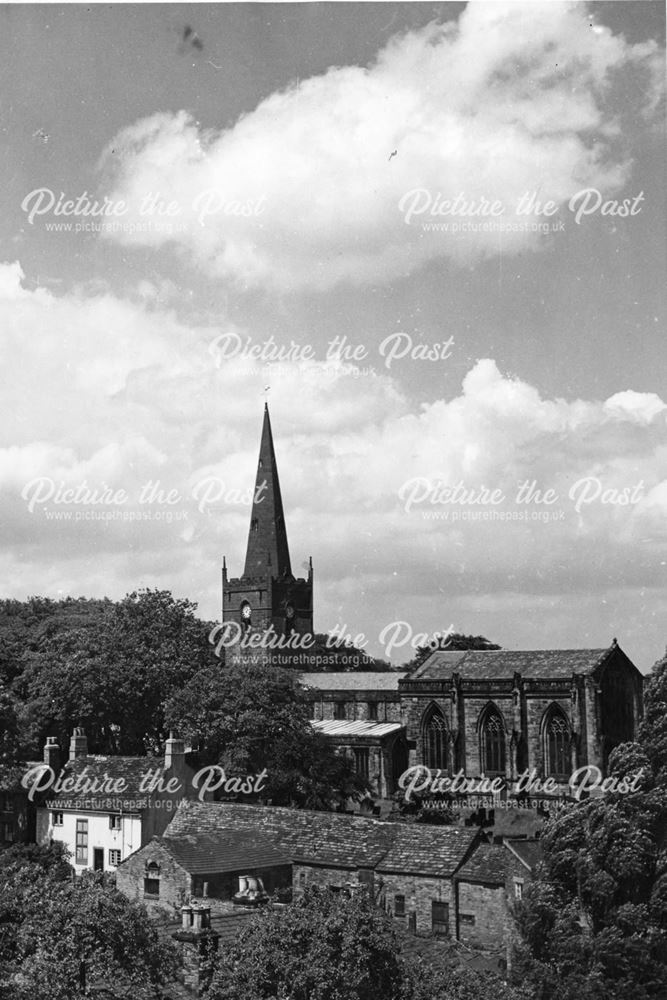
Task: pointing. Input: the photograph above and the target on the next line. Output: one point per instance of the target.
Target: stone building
(491, 713)
(360, 712)
(103, 808)
(408, 869)
(500, 712)
(267, 594)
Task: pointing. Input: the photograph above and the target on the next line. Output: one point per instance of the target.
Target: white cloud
(512, 98)
(167, 413)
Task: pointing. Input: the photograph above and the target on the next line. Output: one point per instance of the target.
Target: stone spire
(267, 538)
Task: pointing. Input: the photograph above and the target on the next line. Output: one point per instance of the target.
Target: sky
(202, 204)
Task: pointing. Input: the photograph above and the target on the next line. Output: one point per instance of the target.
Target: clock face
(246, 612)
(289, 611)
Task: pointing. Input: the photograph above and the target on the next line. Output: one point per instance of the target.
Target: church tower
(268, 594)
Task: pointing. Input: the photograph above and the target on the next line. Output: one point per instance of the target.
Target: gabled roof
(224, 851)
(343, 728)
(96, 768)
(502, 664)
(428, 850)
(353, 680)
(529, 852)
(330, 839)
(487, 866)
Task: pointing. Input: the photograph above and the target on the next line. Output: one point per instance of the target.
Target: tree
(324, 945)
(114, 678)
(55, 933)
(332, 947)
(593, 925)
(249, 718)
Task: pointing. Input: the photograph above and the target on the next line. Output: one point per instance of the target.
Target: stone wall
(419, 893)
(175, 882)
(482, 914)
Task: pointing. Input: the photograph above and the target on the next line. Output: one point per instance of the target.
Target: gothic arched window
(493, 743)
(435, 741)
(557, 745)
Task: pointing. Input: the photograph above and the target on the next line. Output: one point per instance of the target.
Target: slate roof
(529, 852)
(428, 850)
(362, 680)
(444, 660)
(131, 769)
(488, 865)
(225, 851)
(335, 727)
(501, 664)
(330, 839)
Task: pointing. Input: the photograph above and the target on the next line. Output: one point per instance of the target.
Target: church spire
(267, 538)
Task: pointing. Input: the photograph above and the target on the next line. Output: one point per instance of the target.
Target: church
(487, 713)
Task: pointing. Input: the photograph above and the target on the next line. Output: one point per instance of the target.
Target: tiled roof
(335, 727)
(530, 852)
(362, 680)
(497, 664)
(443, 660)
(330, 839)
(302, 835)
(428, 850)
(487, 865)
(131, 769)
(224, 851)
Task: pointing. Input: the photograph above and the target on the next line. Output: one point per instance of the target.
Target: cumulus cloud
(314, 186)
(166, 413)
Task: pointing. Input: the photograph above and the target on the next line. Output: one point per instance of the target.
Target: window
(373, 711)
(82, 842)
(7, 831)
(114, 858)
(467, 918)
(115, 822)
(399, 906)
(5, 803)
(152, 879)
(340, 710)
(254, 524)
(57, 818)
(361, 762)
(493, 744)
(435, 742)
(518, 888)
(557, 745)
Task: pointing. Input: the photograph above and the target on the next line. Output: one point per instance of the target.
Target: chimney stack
(78, 745)
(174, 753)
(52, 753)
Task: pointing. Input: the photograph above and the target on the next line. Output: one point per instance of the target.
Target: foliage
(324, 945)
(327, 946)
(54, 929)
(593, 924)
(249, 718)
(111, 671)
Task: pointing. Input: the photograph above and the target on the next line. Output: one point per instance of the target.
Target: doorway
(98, 859)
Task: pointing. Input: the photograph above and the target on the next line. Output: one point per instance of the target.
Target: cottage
(104, 808)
